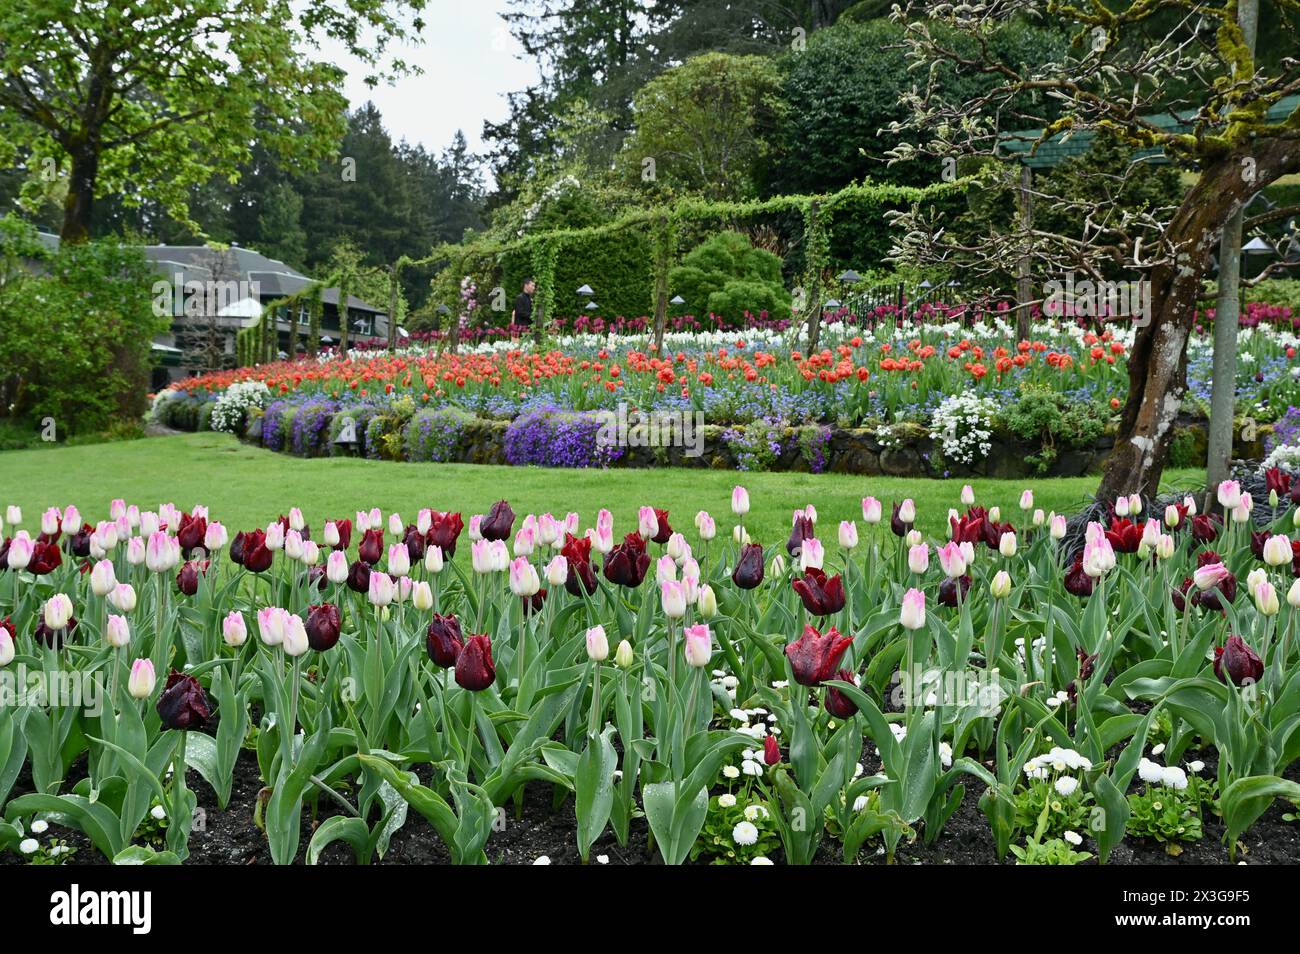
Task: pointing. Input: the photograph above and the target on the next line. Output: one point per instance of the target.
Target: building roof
(202, 263)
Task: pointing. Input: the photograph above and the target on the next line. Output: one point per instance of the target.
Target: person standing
(522, 314)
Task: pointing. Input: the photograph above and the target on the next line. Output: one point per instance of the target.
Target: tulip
(739, 501)
(399, 560)
(187, 580)
(677, 547)
(20, 551)
(812, 555)
(7, 650)
(967, 495)
(323, 626)
(953, 589)
(1254, 578)
(371, 548)
(421, 595)
(1098, 558)
(1058, 526)
(557, 571)
(498, 556)
(1229, 494)
(771, 751)
(1266, 600)
(475, 670)
(102, 578)
(918, 558)
(837, 703)
(122, 597)
(215, 537)
(1189, 505)
(58, 611)
(912, 613)
(182, 704)
(871, 510)
(672, 596)
(1210, 575)
(1000, 586)
(623, 656)
(897, 524)
(801, 529)
(444, 640)
(699, 645)
(1293, 595)
(707, 601)
(821, 596)
(274, 537)
(295, 641)
(814, 657)
(396, 527)
(1027, 500)
(50, 522)
(951, 559)
(433, 560)
(498, 522)
(749, 568)
(117, 633)
(1121, 507)
(525, 541)
(1165, 547)
(523, 578)
(233, 629)
(310, 553)
(597, 644)
(1007, 545)
(142, 680)
(665, 569)
(1236, 662)
(381, 589)
(271, 624)
(13, 515)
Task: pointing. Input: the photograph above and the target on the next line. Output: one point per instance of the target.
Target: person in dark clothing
(523, 312)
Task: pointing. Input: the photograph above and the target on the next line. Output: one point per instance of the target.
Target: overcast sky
(470, 62)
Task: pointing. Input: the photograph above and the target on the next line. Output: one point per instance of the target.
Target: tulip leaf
(95, 820)
(1246, 799)
(594, 787)
(341, 828)
(674, 820)
(144, 855)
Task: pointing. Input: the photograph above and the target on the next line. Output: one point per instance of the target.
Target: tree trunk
(1024, 288)
(1157, 367)
(79, 202)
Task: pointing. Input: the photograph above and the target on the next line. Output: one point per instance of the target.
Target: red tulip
(771, 751)
(475, 670)
(443, 531)
(444, 640)
(359, 577)
(948, 590)
(182, 704)
(627, 563)
(821, 595)
(45, 558)
(814, 657)
(664, 531)
(498, 522)
(79, 542)
(582, 577)
(897, 524)
(749, 568)
(191, 532)
(802, 530)
(323, 626)
(415, 544)
(1124, 535)
(837, 703)
(1205, 528)
(1078, 582)
(1236, 662)
(371, 548)
(187, 580)
(344, 528)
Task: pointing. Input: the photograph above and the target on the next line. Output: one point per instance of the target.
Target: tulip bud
(1229, 494)
(952, 560)
(293, 545)
(215, 537)
(912, 613)
(135, 551)
(7, 649)
(812, 555)
(1273, 498)
(918, 558)
(557, 571)
(1277, 550)
(433, 559)
(422, 596)
(395, 525)
(677, 547)
(673, 599)
(525, 541)
(597, 644)
(295, 637)
(1266, 600)
(1171, 516)
(1121, 507)
(399, 560)
(1293, 595)
(907, 511)
(699, 645)
(58, 612)
(233, 629)
(13, 515)
(51, 521)
(1058, 526)
(336, 567)
(777, 567)
(708, 528)
(20, 551)
(523, 578)
(1254, 578)
(310, 553)
(1241, 512)
(995, 514)
(848, 534)
(741, 536)
(271, 623)
(1027, 500)
(1165, 547)
(381, 589)
(275, 537)
(1000, 585)
(623, 656)
(102, 578)
(871, 510)
(1209, 575)
(967, 495)
(1007, 545)
(1039, 517)
(122, 597)
(140, 684)
(707, 602)
(117, 633)
(331, 534)
(739, 501)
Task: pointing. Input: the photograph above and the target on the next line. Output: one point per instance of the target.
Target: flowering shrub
(228, 411)
(435, 435)
(963, 426)
(551, 438)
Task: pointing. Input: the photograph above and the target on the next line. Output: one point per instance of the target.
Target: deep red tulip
(627, 563)
(316, 577)
(182, 704)
(79, 542)
(1257, 538)
(975, 527)
(187, 580)
(475, 670)
(443, 531)
(749, 568)
(371, 549)
(771, 751)
(664, 531)
(948, 590)
(257, 555)
(1078, 582)
(415, 544)
(814, 657)
(236, 551)
(837, 703)
(1236, 662)
(323, 626)
(1275, 478)
(801, 530)
(344, 528)
(900, 527)
(582, 576)
(821, 595)
(359, 577)
(533, 604)
(191, 532)
(444, 640)
(498, 522)
(1179, 594)
(54, 638)
(45, 558)
(1205, 528)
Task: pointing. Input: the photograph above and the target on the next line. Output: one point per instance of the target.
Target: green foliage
(727, 276)
(1050, 419)
(1279, 291)
(709, 125)
(615, 264)
(75, 338)
(1165, 814)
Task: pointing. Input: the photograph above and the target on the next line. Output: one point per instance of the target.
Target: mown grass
(245, 487)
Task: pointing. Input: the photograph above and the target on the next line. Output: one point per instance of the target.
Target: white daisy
(744, 833)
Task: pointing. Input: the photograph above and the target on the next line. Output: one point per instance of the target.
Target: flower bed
(381, 686)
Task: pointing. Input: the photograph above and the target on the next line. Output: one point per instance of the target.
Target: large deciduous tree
(153, 97)
(1172, 77)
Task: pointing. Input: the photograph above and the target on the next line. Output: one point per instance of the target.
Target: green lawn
(245, 487)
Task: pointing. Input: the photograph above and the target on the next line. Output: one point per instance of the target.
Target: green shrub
(728, 276)
(616, 266)
(1053, 421)
(1278, 291)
